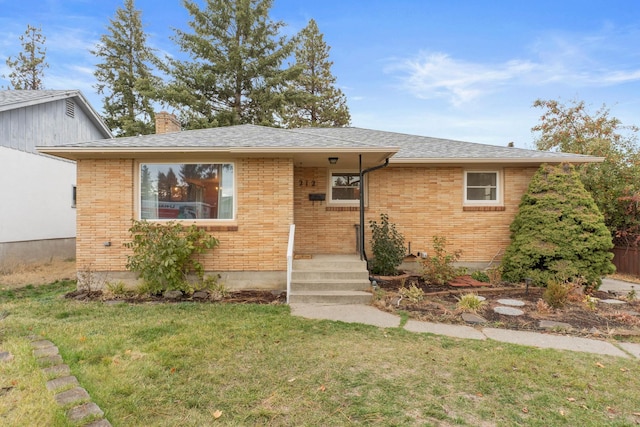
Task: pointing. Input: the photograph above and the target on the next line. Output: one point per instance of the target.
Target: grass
(223, 364)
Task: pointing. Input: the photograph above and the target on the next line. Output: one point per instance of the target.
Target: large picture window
(186, 191)
(482, 187)
(345, 187)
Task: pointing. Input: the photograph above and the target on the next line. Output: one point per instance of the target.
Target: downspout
(363, 255)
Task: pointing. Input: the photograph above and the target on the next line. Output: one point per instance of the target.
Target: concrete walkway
(360, 313)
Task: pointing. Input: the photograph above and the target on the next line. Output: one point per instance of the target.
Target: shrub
(480, 276)
(438, 268)
(164, 254)
(412, 294)
(387, 245)
(470, 303)
(557, 293)
(558, 233)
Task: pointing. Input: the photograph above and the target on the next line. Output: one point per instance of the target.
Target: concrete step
(330, 297)
(330, 263)
(307, 275)
(320, 284)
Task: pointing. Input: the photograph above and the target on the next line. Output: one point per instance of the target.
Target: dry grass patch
(37, 274)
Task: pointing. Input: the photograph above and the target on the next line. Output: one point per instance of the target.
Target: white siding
(36, 197)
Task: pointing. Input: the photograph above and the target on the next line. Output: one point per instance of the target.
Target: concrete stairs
(330, 279)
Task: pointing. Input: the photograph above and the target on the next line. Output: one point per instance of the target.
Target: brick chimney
(167, 123)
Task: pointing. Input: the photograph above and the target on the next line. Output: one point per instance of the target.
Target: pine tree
(28, 67)
(124, 75)
(318, 101)
(235, 73)
(558, 233)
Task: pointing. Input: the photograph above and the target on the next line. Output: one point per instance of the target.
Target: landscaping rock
(75, 395)
(473, 318)
(550, 324)
(612, 301)
(511, 302)
(61, 382)
(81, 412)
(200, 295)
(5, 356)
(40, 343)
(99, 423)
(57, 371)
(46, 351)
(56, 359)
(172, 294)
(508, 311)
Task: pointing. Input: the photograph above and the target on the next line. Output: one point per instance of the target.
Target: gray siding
(45, 124)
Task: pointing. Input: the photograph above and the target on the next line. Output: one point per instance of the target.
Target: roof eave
(495, 160)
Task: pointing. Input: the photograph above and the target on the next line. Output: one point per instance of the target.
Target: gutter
(363, 255)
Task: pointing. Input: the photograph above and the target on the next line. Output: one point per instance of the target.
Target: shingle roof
(14, 99)
(252, 138)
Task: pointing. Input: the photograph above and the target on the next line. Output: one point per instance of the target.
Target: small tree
(163, 254)
(387, 245)
(558, 234)
(28, 67)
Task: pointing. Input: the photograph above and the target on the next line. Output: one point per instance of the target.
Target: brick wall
(257, 242)
(422, 202)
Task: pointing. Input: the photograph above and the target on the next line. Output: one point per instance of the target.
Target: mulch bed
(236, 297)
(440, 305)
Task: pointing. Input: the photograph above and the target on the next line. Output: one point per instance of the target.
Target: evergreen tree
(124, 75)
(318, 101)
(235, 74)
(558, 234)
(28, 67)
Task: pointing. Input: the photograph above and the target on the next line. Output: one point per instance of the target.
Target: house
(37, 212)
(247, 184)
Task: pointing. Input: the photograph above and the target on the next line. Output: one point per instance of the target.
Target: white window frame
(331, 201)
(217, 221)
(499, 189)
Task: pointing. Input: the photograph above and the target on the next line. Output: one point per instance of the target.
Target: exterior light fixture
(333, 160)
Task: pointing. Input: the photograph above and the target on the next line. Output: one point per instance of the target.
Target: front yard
(245, 364)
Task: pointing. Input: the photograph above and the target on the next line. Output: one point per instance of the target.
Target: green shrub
(558, 233)
(412, 294)
(480, 276)
(164, 254)
(438, 268)
(387, 245)
(556, 294)
(470, 303)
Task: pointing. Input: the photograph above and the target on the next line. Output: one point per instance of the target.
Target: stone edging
(68, 392)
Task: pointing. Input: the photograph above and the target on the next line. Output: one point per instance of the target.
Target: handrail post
(292, 232)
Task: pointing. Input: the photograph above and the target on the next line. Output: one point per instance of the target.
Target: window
(73, 196)
(186, 191)
(345, 187)
(482, 187)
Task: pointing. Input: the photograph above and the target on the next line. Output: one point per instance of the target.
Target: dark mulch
(440, 305)
(236, 297)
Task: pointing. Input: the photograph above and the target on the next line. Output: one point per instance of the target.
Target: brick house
(247, 184)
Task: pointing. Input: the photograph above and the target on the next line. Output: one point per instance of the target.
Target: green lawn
(178, 364)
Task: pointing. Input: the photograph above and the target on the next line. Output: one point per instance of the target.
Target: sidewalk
(359, 313)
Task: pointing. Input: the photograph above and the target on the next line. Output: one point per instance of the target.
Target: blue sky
(467, 70)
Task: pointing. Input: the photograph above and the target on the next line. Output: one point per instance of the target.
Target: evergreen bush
(558, 233)
(387, 245)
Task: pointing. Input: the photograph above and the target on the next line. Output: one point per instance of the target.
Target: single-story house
(37, 210)
(248, 184)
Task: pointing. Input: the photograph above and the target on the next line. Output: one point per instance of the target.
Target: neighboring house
(246, 184)
(37, 212)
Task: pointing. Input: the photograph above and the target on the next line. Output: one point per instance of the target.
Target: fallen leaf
(291, 380)
(322, 388)
(479, 394)
(562, 413)
(599, 365)
(217, 414)
(571, 399)
(525, 410)
(173, 370)
(83, 339)
(637, 414)
(623, 370)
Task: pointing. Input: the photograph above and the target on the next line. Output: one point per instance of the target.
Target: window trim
(211, 221)
(499, 189)
(343, 203)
